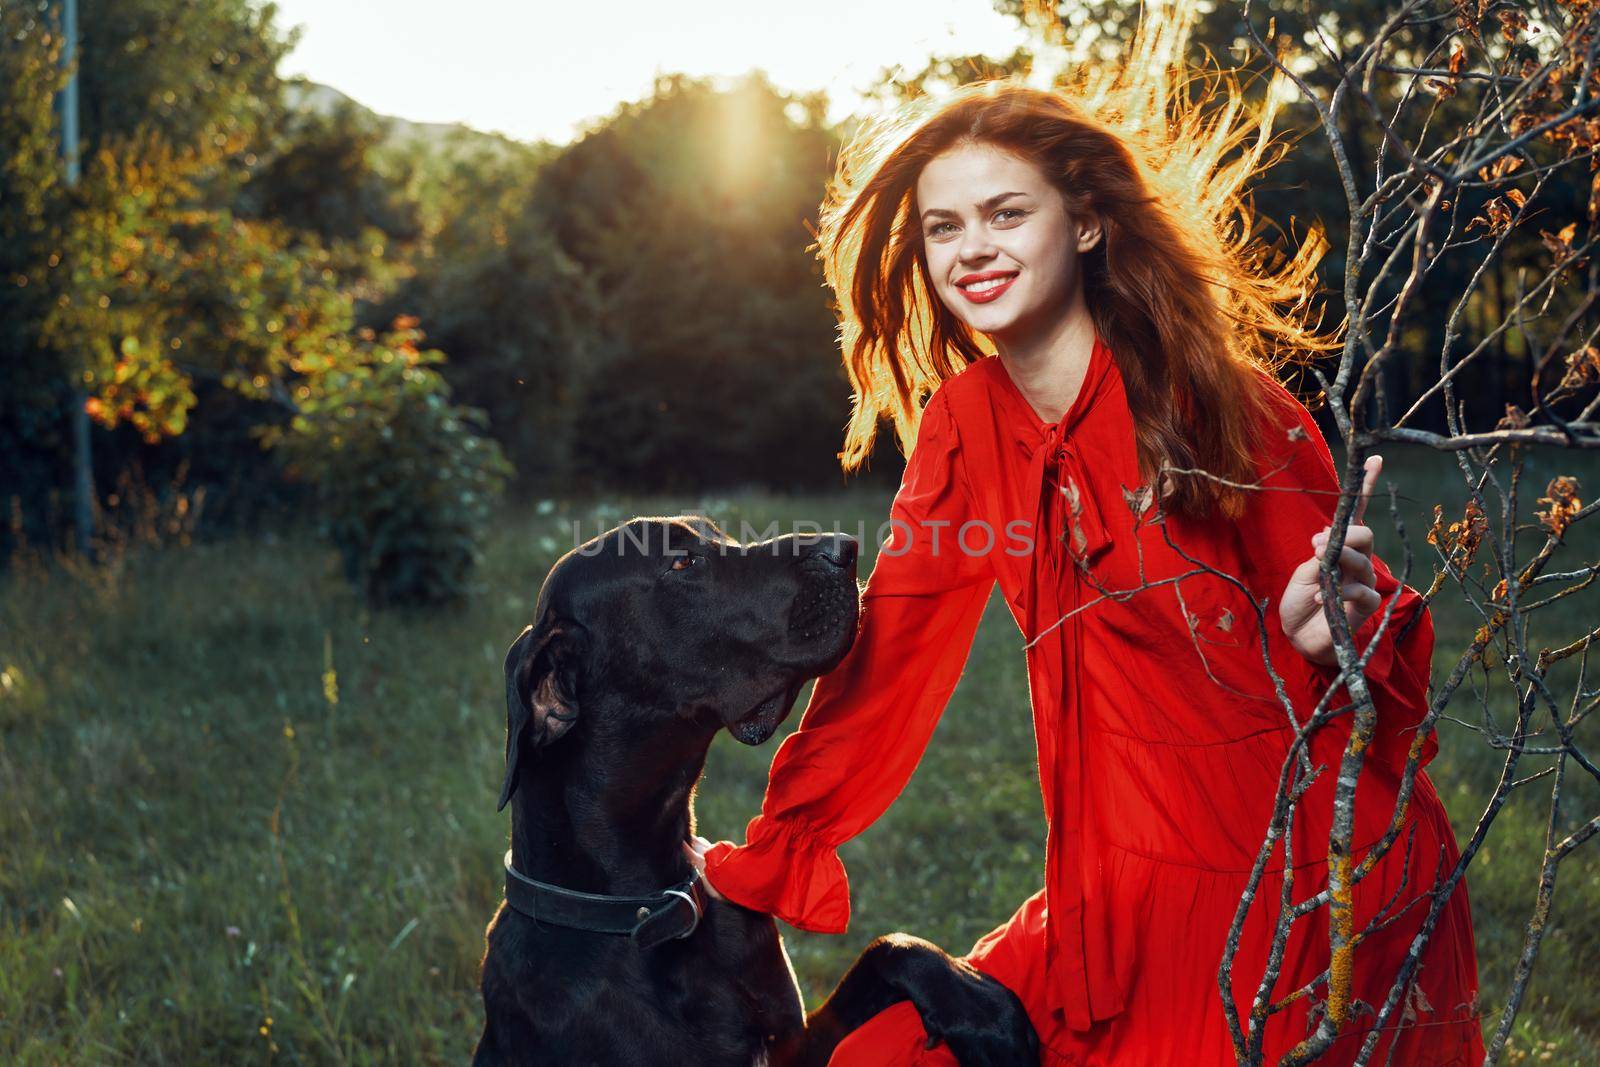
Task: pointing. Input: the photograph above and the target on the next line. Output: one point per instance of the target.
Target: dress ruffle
(784, 870)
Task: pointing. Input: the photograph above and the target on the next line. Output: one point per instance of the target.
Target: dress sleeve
(1302, 487)
(869, 719)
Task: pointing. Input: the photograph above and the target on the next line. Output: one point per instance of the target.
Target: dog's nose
(838, 549)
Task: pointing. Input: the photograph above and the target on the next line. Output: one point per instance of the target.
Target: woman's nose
(975, 247)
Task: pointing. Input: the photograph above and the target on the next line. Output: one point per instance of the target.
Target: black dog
(646, 641)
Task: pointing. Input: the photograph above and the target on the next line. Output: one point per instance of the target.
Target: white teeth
(984, 286)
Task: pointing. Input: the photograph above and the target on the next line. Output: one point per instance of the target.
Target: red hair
(1196, 313)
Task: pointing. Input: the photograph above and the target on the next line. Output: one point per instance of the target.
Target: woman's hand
(1300, 607)
(695, 849)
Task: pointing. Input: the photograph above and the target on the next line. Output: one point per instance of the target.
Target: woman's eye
(1009, 211)
(937, 227)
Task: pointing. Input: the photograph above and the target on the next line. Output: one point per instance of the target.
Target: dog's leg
(981, 1020)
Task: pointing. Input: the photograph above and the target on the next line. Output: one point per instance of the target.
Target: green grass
(246, 821)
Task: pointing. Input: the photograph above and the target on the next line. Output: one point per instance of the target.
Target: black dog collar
(671, 913)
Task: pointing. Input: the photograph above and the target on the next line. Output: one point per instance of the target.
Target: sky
(539, 69)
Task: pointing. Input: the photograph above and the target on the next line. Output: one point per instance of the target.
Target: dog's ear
(542, 670)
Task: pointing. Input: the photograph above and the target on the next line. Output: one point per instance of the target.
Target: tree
(323, 177)
(689, 214)
(149, 142)
(1448, 189)
(519, 318)
(155, 280)
(1464, 148)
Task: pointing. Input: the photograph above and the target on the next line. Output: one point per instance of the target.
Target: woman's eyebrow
(984, 206)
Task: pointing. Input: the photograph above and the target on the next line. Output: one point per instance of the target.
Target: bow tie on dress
(1074, 526)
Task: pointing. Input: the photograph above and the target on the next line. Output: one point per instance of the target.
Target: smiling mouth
(987, 289)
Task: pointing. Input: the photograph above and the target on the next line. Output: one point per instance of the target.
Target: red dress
(1160, 741)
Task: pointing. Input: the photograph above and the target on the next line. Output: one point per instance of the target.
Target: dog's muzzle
(824, 604)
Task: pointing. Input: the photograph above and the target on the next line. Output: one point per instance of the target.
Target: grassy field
(246, 821)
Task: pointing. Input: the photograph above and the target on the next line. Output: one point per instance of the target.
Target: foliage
(216, 238)
(689, 212)
(219, 250)
(201, 75)
(171, 99)
(327, 179)
(406, 484)
(153, 289)
(517, 315)
(165, 136)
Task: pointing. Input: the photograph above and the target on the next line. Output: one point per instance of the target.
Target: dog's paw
(984, 1026)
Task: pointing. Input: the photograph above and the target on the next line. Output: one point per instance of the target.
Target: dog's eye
(685, 561)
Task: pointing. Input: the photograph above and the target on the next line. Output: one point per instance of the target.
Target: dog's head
(668, 620)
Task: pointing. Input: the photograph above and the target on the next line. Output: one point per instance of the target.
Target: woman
(1124, 446)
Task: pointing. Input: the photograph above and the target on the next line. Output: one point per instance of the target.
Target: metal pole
(67, 99)
(82, 458)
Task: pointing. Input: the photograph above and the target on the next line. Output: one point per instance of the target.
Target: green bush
(405, 481)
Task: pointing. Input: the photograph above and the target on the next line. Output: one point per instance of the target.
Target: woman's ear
(542, 670)
(1091, 230)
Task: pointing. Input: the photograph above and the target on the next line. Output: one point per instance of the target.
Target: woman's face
(1001, 248)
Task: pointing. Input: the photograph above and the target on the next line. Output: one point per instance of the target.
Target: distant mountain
(314, 97)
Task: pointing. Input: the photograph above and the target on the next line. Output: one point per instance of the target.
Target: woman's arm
(1283, 527)
(868, 720)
